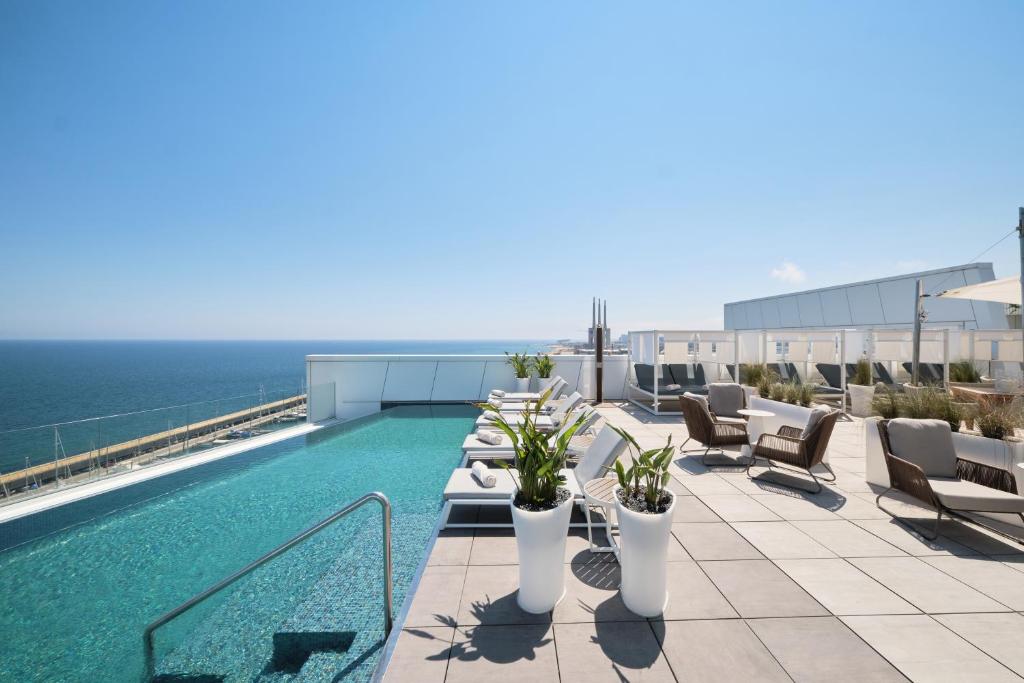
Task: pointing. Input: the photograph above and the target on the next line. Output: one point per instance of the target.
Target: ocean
(46, 382)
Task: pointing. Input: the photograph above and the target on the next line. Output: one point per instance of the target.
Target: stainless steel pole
(915, 373)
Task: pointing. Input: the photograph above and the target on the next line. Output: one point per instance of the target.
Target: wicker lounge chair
(711, 432)
(923, 464)
(800, 448)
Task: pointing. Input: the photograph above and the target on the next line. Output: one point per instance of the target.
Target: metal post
(1020, 234)
(842, 367)
(945, 359)
(598, 362)
(915, 374)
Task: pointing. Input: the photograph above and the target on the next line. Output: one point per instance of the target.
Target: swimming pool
(81, 582)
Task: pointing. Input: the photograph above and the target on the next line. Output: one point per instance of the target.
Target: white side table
(754, 427)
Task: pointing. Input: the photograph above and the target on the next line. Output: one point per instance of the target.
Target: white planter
(875, 471)
(643, 554)
(538, 382)
(522, 384)
(860, 399)
(540, 538)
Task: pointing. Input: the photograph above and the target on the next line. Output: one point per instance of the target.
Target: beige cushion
(926, 443)
(726, 399)
(812, 421)
(730, 420)
(957, 494)
(703, 401)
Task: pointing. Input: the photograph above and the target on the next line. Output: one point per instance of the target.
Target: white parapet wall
(360, 384)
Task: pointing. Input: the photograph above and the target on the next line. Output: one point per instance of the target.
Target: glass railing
(40, 459)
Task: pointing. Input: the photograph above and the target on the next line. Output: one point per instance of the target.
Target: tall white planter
(540, 538)
(860, 399)
(875, 471)
(522, 384)
(643, 554)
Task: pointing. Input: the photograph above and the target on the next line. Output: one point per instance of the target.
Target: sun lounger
(552, 421)
(556, 384)
(463, 489)
(475, 449)
(931, 373)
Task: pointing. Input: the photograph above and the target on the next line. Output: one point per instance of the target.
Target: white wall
(362, 383)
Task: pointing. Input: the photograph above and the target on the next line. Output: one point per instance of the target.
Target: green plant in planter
(964, 371)
(807, 394)
(996, 424)
(537, 460)
(886, 404)
(751, 374)
(521, 364)
(643, 484)
(543, 365)
(778, 392)
(930, 404)
(862, 375)
(792, 393)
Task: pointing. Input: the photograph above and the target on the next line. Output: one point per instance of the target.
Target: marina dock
(159, 444)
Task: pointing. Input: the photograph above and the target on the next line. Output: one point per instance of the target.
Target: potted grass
(861, 388)
(544, 367)
(540, 507)
(644, 509)
(521, 365)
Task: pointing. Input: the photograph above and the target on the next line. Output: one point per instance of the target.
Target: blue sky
(480, 170)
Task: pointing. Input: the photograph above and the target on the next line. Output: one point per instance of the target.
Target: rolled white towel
(496, 402)
(497, 392)
(487, 436)
(490, 417)
(673, 387)
(484, 475)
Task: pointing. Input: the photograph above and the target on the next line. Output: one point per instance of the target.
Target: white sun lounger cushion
(462, 485)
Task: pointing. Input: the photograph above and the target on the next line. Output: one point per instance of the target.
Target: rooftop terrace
(764, 584)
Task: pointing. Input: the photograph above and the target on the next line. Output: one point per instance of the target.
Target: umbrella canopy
(1005, 291)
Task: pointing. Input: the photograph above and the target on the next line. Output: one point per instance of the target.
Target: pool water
(81, 582)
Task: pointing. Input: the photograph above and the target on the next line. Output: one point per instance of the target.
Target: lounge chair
(645, 379)
(463, 489)
(475, 449)
(882, 375)
(556, 384)
(931, 373)
(711, 433)
(832, 373)
(923, 464)
(552, 421)
(821, 391)
(801, 448)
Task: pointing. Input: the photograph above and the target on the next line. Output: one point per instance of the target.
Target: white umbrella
(1005, 291)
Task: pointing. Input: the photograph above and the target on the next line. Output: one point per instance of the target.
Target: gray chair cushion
(926, 443)
(725, 399)
(957, 494)
(813, 420)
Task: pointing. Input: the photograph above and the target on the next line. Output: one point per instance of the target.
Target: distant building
(886, 302)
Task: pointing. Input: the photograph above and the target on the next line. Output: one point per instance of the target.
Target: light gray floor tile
(846, 539)
(924, 650)
(692, 595)
(592, 594)
(792, 506)
(704, 541)
(691, 509)
(910, 541)
(610, 651)
(577, 547)
(852, 507)
(738, 508)
(924, 586)
(708, 484)
(843, 588)
(420, 654)
(503, 653)
(494, 546)
(489, 597)
(717, 650)
(757, 588)
(822, 649)
(777, 540)
(991, 577)
(452, 547)
(983, 541)
(436, 602)
(998, 635)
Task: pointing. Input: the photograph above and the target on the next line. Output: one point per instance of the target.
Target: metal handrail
(385, 504)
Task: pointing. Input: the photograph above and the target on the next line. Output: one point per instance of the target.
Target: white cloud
(789, 272)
